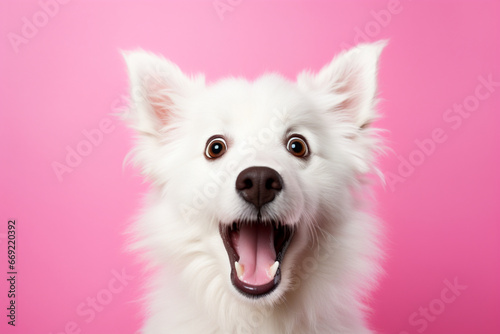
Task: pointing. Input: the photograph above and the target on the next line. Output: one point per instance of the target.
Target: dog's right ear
(157, 88)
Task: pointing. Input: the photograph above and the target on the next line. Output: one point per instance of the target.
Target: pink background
(68, 77)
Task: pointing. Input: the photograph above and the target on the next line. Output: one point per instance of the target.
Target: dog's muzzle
(256, 247)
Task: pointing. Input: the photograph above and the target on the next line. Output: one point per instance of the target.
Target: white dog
(254, 222)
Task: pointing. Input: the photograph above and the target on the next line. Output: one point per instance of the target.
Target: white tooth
(272, 269)
(239, 269)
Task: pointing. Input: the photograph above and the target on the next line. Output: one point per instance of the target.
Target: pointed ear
(157, 86)
(349, 82)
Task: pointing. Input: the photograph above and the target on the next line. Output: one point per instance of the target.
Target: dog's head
(251, 172)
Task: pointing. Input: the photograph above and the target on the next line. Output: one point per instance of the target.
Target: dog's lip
(282, 238)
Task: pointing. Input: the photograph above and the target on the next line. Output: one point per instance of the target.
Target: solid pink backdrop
(62, 77)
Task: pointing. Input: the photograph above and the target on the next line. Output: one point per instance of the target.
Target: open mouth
(256, 250)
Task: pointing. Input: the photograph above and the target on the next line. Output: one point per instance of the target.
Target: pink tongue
(255, 246)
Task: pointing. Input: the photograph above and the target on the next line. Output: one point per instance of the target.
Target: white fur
(331, 263)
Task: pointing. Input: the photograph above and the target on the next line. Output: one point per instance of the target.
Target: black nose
(259, 185)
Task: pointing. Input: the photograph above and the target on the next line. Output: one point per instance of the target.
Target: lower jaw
(283, 237)
(255, 291)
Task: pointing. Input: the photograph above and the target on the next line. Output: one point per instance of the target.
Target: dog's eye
(297, 146)
(216, 147)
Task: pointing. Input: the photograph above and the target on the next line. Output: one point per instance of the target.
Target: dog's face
(254, 171)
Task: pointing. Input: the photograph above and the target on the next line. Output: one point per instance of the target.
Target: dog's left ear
(349, 83)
